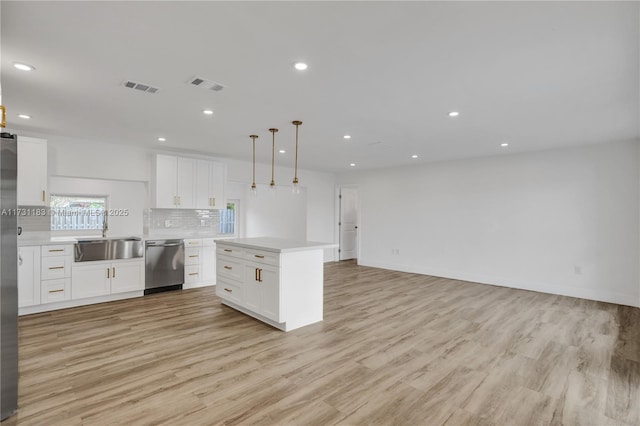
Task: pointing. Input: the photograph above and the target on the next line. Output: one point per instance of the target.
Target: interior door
(348, 223)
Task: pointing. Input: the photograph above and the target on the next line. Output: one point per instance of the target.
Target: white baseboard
(35, 309)
(581, 293)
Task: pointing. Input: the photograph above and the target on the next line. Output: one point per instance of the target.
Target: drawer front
(261, 256)
(192, 243)
(191, 256)
(56, 290)
(229, 291)
(208, 242)
(229, 250)
(55, 267)
(57, 250)
(229, 268)
(191, 274)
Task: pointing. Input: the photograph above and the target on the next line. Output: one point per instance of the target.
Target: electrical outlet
(167, 223)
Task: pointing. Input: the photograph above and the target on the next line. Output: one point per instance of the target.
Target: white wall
(120, 195)
(563, 222)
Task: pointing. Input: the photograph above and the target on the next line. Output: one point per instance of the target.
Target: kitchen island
(277, 281)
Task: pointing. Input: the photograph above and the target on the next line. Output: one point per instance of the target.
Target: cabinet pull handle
(114, 272)
(256, 274)
(228, 250)
(228, 267)
(56, 291)
(108, 271)
(260, 275)
(193, 273)
(193, 255)
(43, 196)
(259, 256)
(56, 267)
(213, 202)
(55, 250)
(228, 290)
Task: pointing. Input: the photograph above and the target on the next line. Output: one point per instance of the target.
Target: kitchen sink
(91, 250)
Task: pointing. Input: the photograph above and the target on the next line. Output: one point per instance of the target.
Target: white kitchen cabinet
(277, 281)
(56, 261)
(199, 263)
(210, 177)
(127, 276)
(102, 278)
(174, 182)
(28, 276)
(90, 280)
(32, 172)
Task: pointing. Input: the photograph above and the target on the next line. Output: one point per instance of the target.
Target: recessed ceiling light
(24, 67)
(504, 145)
(454, 114)
(414, 156)
(162, 139)
(282, 151)
(300, 66)
(25, 116)
(347, 136)
(207, 112)
(352, 164)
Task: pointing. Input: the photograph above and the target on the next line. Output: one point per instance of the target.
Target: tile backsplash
(162, 221)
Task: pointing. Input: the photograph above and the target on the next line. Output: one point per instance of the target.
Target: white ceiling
(536, 75)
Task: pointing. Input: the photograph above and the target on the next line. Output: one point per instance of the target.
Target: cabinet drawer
(57, 250)
(268, 257)
(55, 267)
(191, 256)
(191, 274)
(56, 290)
(229, 291)
(192, 243)
(229, 250)
(229, 267)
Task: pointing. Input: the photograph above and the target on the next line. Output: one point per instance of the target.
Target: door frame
(338, 190)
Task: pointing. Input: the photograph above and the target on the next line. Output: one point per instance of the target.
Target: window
(77, 212)
(229, 219)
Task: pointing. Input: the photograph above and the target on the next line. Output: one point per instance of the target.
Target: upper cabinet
(32, 172)
(210, 178)
(188, 183)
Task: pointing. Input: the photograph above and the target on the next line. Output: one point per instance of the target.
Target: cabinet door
(269, 292)
(90, 280)
(186, 183)
(28, 276)
(166, 190)
(208, 263)
(252, 287)
(127, 276)
(32, 172)
(217, 177)
(203, 192)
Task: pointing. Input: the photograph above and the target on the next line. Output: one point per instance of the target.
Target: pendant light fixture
(254, 189)
(272, 185)
(296, 187)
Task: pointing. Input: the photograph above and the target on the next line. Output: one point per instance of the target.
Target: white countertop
(279, 245)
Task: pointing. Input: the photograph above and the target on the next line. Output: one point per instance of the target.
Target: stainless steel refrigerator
(8, 276)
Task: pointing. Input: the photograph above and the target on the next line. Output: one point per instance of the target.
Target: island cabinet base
(281, 286)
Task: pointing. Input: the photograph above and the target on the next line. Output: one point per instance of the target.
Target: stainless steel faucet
(105, 224)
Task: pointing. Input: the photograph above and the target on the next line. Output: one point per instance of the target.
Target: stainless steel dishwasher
(164, 265)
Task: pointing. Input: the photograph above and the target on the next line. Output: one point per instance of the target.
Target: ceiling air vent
(206, 84)
(140, 86)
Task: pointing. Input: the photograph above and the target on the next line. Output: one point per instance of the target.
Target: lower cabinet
(29, 276)
(261, 293)
(102, 278)
(199, 262)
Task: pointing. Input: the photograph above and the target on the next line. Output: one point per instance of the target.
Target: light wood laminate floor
(395, 348)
